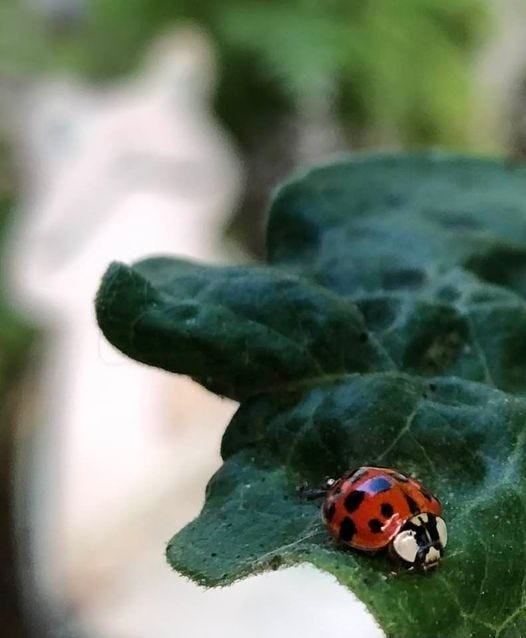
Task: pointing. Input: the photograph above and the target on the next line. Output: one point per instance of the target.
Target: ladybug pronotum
(373, 508)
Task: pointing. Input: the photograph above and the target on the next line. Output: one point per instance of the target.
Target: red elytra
(366, 508)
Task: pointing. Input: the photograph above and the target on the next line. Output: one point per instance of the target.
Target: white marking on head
(442, 530)
(405, 545)
(432, 556)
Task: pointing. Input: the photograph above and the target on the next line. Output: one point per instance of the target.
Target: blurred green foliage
(15, 340)
(14, 333)
(386, 67)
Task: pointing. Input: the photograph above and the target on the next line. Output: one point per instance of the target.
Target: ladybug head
(421, 540)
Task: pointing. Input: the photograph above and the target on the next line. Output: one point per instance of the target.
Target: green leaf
(390, 328)
(418, 242)
(238, 331)
(464, 440)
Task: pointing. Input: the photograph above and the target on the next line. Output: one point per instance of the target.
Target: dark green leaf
(464, 440)
(238, 331)
(415, 241)
(390, 329)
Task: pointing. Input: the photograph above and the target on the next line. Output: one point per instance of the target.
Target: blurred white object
(114, 174)
(122, 452)
(500, 71)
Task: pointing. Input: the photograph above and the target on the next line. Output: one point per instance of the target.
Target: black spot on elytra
(377, 485)
(426, 494)
(347, 529)
(328, 511)
(412, 504)
(375, 525)
(353, 500)
(363, 337)
(387, 510)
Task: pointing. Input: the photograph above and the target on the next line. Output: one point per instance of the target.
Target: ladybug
(373, 508)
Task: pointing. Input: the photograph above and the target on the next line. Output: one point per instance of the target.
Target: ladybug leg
(311, 494)
(398, 570)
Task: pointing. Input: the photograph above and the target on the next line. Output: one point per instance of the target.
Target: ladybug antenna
(311, 494)
(451, 555)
